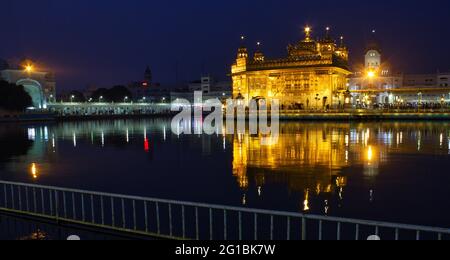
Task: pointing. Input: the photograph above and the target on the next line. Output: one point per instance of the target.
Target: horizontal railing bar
(243, 210)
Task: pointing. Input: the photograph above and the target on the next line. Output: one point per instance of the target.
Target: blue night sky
(106, 42)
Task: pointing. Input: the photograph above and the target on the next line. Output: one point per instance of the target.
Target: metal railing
(184, 220)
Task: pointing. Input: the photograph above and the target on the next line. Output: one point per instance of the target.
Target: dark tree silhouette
(77, 96)
(13, 97)
(115, 94)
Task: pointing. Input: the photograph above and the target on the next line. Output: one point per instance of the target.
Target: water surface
(379, 171)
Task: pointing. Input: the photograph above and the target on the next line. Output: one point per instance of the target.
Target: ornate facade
(313, 75)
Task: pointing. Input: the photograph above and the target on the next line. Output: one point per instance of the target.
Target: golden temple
(314, 75)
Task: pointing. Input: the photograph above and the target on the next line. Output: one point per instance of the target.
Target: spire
(373, 43)
(327, 33)
(259, 55)
(148, 74)
(307, 34)
(242, 51)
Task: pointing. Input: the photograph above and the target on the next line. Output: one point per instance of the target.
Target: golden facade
(313, 75)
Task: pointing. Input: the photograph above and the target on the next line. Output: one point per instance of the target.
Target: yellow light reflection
(34, 171)
(306, 202)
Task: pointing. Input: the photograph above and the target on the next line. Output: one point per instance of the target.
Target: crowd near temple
(315, 74)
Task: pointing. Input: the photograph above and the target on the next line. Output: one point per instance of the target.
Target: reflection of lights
(327, 208)
(146, 145)
(128, 135)
(369, 155)
(74, 140)
(441, 140)
(164, 133)
(34, 171)
(224, 143)
(346, 156)
(31, 134)
(46, 133)
(306, 202)
(347, 140)
(103, 139)
(259, 191)
(53, 141)
(244, 200)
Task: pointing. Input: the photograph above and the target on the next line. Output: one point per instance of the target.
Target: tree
(119, 94)
(115, 94)
(13, 97)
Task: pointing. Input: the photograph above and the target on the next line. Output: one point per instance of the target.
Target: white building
(377, 86)
(40, 85)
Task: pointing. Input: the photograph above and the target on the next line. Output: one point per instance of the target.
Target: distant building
(141, 90)
(377, 86)
(210, 88)
(313, 75)
(40, 85)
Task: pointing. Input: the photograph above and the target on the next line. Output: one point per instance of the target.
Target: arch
(34, 89)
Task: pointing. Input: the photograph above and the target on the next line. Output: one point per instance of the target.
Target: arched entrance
(34, 89)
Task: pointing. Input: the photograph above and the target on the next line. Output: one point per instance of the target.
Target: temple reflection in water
(312, 158)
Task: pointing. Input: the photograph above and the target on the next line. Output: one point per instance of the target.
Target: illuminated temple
(313, 75)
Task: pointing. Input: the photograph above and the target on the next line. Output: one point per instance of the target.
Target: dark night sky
(105, 42)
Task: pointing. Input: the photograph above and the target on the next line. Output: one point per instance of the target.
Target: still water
(387, 171)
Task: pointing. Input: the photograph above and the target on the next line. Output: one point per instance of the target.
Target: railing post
(158, 221)
(27, 199)
(288, 237)
(83, 215)
(34, 200)
(56, 204)
(256, 226)
(210, 224)
(19, 191)
(271, 227)
(6, 197)
(50, 195)
(338, 231)
(12, 197)
(113, 217)
(303, 229)
(134, 215)
(320, 230)
(124, 221)
(146, 216)
(225, 225)
(74, 211)
(197, 233)
(240, 226)
(64, 204)
(42, 201)
(92, 210)
(357, 232)
(170, 220)
(102, 209)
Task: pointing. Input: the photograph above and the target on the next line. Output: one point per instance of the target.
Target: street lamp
(125, 99)
(72, 98)
(100, 99)
(29, 68)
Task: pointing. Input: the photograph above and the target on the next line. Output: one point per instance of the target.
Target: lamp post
(72, 98)
(100, 99)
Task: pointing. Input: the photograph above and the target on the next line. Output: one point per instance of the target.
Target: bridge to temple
(98, 109)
